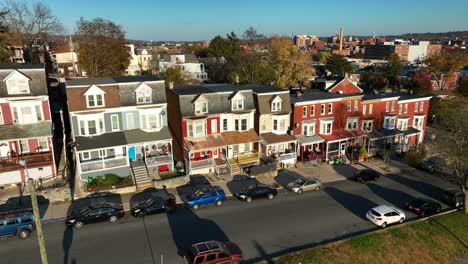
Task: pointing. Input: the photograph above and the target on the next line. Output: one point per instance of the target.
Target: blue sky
(203, 19)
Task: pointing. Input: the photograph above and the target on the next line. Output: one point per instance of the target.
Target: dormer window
(200, 105)
(94, 97)
(144, 94)
(237, 102)
(17, 83)
(389, 122)
(276, 104)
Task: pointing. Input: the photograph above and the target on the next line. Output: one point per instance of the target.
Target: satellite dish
(297, 124)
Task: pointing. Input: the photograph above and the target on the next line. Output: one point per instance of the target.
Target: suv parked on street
(214, 252)
(423, 207)
(95, 213)
(212, 195)
(300, 185)
(384, 215)
(454, 198)
(255, 192)
(17, 223)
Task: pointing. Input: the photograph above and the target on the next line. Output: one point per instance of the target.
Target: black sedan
(95, 213)
(255, 192)
(153, 205)
(365, 175)
(423, 207)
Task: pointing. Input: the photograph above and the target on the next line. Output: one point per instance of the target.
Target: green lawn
(441, 240)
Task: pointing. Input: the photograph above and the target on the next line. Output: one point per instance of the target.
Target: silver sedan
(302, 185)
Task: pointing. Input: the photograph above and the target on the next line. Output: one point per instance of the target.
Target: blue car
(17, 223)
(213, 195)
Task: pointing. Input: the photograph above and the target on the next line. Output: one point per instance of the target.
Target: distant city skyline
(202, 20)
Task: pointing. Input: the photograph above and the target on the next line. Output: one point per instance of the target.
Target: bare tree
(32, 21)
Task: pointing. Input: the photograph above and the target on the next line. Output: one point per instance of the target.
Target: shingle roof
(263, 103)
(319, 95)
(271, 138)
(110, 80)
(138, 135)
(37, 76)
(259, 89)
(22, 66)
(234, 137)
(40, 129)
(209, 88)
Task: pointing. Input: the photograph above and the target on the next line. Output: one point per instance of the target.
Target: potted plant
(362, 154)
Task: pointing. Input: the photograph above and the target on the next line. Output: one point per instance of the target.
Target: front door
(131, 153)
(4, 149)
(343, 149)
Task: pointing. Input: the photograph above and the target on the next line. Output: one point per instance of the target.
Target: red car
(214, 252)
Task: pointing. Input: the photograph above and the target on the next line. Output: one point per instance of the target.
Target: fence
(268, 169)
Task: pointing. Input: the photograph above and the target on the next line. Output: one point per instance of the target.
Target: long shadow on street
(196, 182)
(392, 196)
(354, 203)
(240, 182)
(288, 177)
(422, 187)
(188, 228)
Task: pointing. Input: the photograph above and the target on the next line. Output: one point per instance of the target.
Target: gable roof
(35, 73)
(345, 86)
(94, 90)
(110, 80)
(17, 74)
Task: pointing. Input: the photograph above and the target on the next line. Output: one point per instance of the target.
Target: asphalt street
(263, 229)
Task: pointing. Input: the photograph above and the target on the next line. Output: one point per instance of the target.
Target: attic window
(237, 104)
(143, 94)
(17, 83)
(276, 104)
(201, 107)
(94, 97)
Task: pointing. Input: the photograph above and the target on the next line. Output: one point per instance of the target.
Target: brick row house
(336, 123)
(213, 127)
(119, 126)
(25, 124)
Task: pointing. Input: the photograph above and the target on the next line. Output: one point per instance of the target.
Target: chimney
(341, 38)
(346, 75)
(171, 84)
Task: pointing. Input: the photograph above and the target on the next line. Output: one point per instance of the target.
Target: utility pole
(37, 216)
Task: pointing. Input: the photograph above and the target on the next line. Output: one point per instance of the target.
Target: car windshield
(198, 193)
(418, 202)
(148, 202)
(374, 213)
(84, 210)
(300, 181)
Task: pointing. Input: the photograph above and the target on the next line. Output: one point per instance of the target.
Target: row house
(337, 122)
(213, 127)
(25, 124)
(272, 122)
(119, 126)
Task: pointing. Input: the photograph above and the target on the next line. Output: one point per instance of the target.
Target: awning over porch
(140, 136)
(272, 138)
(343, 134)
(303, 140)
(411, 131)
(207, 142)
(384, 133)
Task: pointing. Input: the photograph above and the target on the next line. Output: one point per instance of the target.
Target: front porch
(33, 160)
(342, 144)
(281, 148)
(382, 141)
(156, 156)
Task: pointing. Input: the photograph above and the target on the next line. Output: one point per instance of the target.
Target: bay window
(389, 122)
(352, 123)
(237, 104)
(326, 127)
(367, 125)
(196, 128)
(42, 144)
(308, 130)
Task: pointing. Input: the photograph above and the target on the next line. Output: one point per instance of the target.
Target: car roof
(104, 205)
(15, 214)
(383, 209)
(207, 246)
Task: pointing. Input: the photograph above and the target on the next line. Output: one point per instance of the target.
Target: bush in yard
(415, 155)
(107, 180)
(363, 152)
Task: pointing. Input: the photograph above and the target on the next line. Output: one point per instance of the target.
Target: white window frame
(304, 111)
(312, 110)
(18, 87)
(282, 124)
(100, 153)
(95, 100)
(348, 106)
(276, 104)
(83, 155)
(17, 109)
(26, 150)
(308, 130)
(364, 109)
(352, 124)
(214, 126)
(147, 115)
(237, 104)
(367, 124)
(194, 124)
(112, 122)
(387, 107)
(416, 107)
(324, 127)
(421, 106)
(400, 109)
(43, 139)
(83, 123)
(143, 97)
(330, 108)
(322, 109)
(391, 122)
(421, 122)
(371, 106)
(356, 105)
(201, 107)
(225, 125)
(1, 117)
(393, 106)
(402, 124)
(406, 108)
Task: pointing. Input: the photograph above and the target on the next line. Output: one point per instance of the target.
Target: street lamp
(37, 216)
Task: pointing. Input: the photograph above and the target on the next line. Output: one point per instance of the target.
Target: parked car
(153, 205)
(100, 195)
(423, 206)
(365, 175)
(255, 192)
(454, 198)
(212, 195)
(214, 252)
(433, 164)
(17, 223)
(302, 185)
(94, 213)
(384, 215)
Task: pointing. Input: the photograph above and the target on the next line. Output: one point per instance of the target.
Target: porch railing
(32, 160)
(200, 164)
(102, 164)
(286, 156)
(159, 159)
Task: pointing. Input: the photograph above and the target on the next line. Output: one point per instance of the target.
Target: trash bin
(337, 162)
(90, 180)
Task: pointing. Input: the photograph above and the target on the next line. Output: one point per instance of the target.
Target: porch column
(326, 153)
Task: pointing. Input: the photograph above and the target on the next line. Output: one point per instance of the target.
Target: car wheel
(248, 199)
(317, 188)
(113, 219)
(79, 224)
(270, 196)
(384, 225)
(219, 203)
(24, 233)
(401, 220)
(300, 191)
(140, 214)
(196, 206)
(438, 210)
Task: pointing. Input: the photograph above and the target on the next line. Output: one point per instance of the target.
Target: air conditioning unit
(15, 121)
